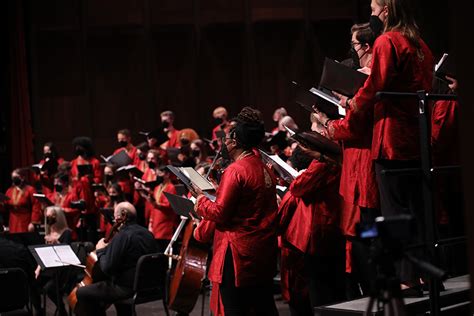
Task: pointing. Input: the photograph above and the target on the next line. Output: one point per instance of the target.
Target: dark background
(98, 66)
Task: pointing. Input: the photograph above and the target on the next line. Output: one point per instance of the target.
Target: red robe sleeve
(36, 209)
(317, 176)
(227, 198)
(204, 232)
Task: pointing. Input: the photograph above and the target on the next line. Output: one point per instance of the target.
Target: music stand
(55, 257)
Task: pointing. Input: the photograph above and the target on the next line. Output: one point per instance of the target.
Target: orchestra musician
(118, 260)
(57, 232)
(245, 209)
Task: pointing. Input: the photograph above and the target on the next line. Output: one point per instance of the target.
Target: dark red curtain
(21, 133)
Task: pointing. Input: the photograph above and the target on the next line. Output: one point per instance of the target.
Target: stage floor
(156, 308)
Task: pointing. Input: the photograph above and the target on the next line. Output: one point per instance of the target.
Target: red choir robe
(140, 164)
(396, 66)
(163, 220)
(294, 285)
(23, 207)
(173, 141)
(96, 169)
(131, 151)
(103, 201)
(149, 175)
(445, 133)
(314, 225)
(245, 213)
(75, 192)
(446, 152)
(204, 233)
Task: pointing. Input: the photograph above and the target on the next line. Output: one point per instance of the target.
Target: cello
(189, 272)
(92, 270)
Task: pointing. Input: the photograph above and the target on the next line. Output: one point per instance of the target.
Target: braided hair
(248, 128)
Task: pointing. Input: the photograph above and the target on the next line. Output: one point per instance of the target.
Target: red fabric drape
(21, 143)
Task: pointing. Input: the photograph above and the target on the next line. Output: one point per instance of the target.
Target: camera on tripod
(393, 232)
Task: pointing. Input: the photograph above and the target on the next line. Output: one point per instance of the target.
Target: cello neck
(115, 228)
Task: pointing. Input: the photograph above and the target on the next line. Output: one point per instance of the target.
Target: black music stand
(427, 183)
(55, 257)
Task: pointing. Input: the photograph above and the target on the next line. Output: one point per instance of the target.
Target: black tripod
(385, 293)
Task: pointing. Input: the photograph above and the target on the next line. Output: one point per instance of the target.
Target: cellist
(118, 260)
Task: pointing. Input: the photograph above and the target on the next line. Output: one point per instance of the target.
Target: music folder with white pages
(283, 169)
(340, 110)
(53, 256)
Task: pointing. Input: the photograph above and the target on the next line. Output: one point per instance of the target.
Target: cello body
(92, 274)
(189, 272)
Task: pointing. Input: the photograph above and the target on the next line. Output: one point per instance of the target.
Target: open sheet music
(283, 169)
(48, 256)
(340, 110)
(190, 176)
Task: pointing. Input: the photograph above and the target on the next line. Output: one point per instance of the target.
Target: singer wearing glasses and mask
(245, 248)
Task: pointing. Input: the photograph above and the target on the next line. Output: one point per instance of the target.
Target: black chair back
(150, 277)
(14, 291)
(82, 249)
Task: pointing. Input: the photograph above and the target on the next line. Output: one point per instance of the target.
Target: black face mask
(123, 143)
(160, 179)
(17, 181)
(58, 187)
(355, 59)
(50, 220)
(114, 198)
(48, 155)
(376, 25)
(165, 124)
(109, 177)
(218, 121)
(195, 153)
(184, 142)
(151, 165)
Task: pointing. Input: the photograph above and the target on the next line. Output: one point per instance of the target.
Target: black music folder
(172, 153)
(85, 169)
(181, 206)
(130, 169)
(323, 100)
(108, 213)
(315, 141)
(284, 170)
(99, 187)
(43, 199)
(340, 78)
(190, 176)
(148, 184)
(120, 159)
(445, 67)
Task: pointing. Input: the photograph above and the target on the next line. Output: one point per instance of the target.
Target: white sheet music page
(66, 254)
(284, 165)
(48, 256)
